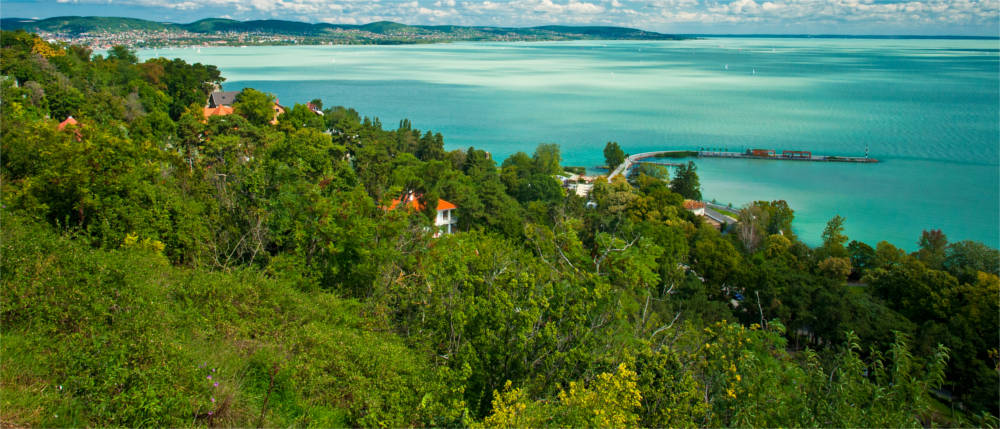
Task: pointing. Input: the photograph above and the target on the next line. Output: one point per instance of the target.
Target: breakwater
(768, 154)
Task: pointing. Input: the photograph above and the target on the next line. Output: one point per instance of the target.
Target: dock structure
(666, 164)
(787, 155)
(632, 159)
(770, 154)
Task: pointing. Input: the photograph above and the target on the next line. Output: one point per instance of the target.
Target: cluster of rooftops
(220, 103)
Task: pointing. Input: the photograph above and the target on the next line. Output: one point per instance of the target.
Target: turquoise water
(927, 108)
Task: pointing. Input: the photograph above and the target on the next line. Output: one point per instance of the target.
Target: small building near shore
(222, 98)
(217, 111)
(583, 189)
(313, 108)
(278, 111)
(696, 207)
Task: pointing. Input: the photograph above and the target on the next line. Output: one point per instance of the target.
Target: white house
(445, 211)
(696, 207)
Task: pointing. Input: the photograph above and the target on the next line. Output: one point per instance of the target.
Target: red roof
(69, 121)
(412, 200)
(692, 204)
(218, 111)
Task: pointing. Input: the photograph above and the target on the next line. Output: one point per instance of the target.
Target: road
(632, 159)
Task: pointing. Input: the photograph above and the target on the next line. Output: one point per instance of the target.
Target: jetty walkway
(788, 155)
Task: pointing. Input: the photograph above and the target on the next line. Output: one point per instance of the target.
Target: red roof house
(445, 211)
(217, 111)
(69, 121)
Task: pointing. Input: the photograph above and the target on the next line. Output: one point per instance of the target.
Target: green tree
(430, 147)
(299, 116)
(862, 258)
(752, 228)
(713, 257)
(835, 268)
(686, 183)
(122, 53)
(257, 107)
(964, 259)
(933, 245)
(779, 217)
(612, 400)
(654, 171)
(834, 239)
(613, 155)
(546, 159)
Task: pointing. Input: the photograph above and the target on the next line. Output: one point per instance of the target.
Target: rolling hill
(90, 24)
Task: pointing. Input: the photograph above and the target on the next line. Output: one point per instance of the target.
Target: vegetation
(685, 182)
(613, 155)
(164, 269)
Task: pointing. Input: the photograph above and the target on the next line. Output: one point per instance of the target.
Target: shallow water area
(927, 108)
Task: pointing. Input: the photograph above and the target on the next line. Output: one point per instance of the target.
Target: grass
(120, 338)
(726, 212)
(679, 154)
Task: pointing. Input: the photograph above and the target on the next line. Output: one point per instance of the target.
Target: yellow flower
(738, 378)
(731, 393)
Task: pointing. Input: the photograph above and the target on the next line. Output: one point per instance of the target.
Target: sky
(855, 17)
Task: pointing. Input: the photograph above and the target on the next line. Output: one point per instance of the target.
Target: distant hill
(602, 32)
(89, 24)
(211, 24)
(82, 24)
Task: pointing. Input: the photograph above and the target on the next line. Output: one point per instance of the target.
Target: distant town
(182, 38)
(104, 32)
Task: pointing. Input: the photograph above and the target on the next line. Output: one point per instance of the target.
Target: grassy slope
(109, 338)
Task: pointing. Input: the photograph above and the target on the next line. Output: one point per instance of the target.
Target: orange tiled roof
(692, 204)
(218, 111)
(69, 121)
(413, 201)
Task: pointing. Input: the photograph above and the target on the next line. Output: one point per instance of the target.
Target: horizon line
(762, 35)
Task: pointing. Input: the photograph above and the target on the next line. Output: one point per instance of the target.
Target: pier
(667, 164)
(787, 155)
(768, 154)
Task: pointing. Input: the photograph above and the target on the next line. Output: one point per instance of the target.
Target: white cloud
(340, 20)
(436, 13)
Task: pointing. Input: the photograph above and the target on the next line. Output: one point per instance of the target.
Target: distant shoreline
(100, 32)
(103, 32)
(842, 36)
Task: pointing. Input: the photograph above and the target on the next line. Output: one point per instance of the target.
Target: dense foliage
(613, 155)
(161, 268)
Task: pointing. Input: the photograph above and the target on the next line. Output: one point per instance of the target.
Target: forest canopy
(161, 267)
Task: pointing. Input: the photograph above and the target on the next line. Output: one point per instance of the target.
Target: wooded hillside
(160, 268)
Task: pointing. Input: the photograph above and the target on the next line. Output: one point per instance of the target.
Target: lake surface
(928, 109)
